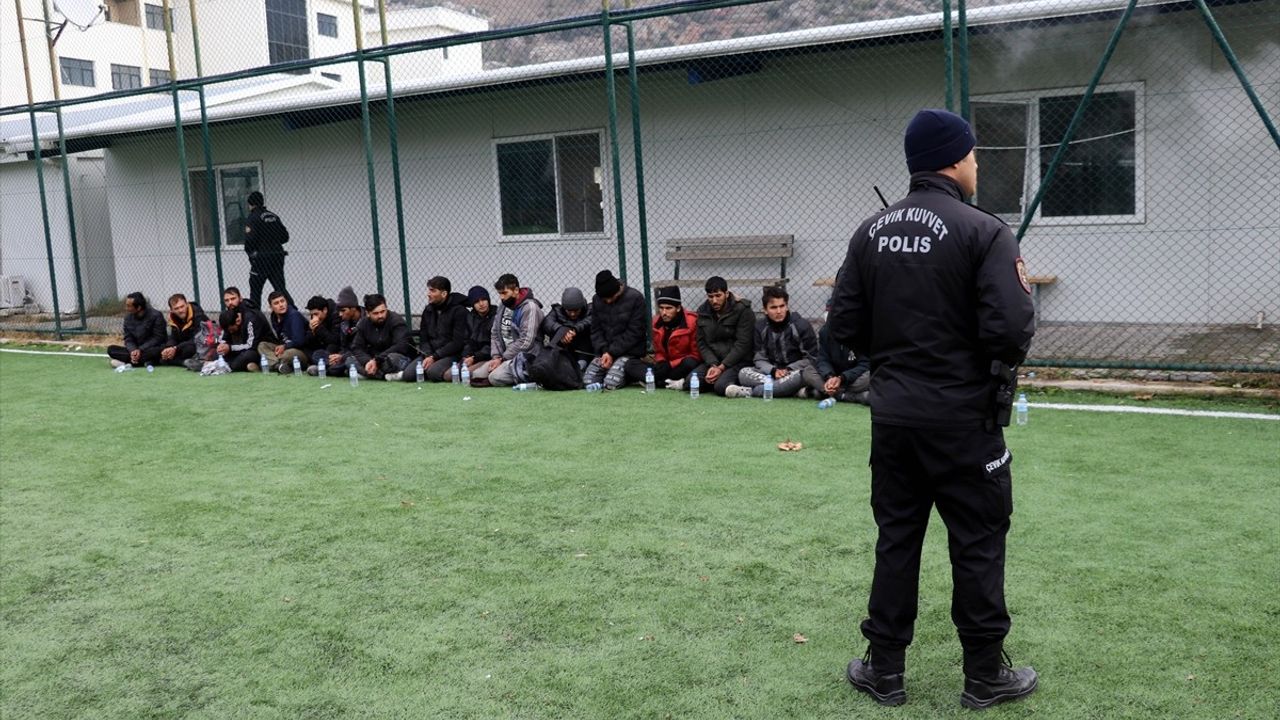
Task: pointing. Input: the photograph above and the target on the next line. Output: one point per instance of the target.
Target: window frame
(151, 76)
(1032, 156)
(150, 10)
(217, 190)
(321, 20)
(606, 188)
(272, 45)
(125, 71)
(88, 67)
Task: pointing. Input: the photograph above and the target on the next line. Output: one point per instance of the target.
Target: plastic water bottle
(525, 387)
(222, 365)
(355, 376)
(595, 388)
(827, 404)
(417, 372)
(453, 374)
(297, 366)
(466, 375)
(693, 386)
(262, 363)
(1021, 408)
(150, 368)
(648, 380)
(768, 389)
(124, 368)
(321, 370)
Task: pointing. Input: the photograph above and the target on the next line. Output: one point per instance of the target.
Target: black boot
(1005, 684)
(886, 688)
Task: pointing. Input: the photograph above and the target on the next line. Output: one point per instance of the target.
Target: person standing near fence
(934, 292)
(264, 239)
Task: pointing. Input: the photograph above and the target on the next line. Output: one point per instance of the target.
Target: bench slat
(719, 253)
(730, 240)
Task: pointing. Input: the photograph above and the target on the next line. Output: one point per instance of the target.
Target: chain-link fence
(741, 139)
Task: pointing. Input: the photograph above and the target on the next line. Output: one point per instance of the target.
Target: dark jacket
(557, 323)
(325, 335)
(479, 334)
(264, 234)
(443, 329)
(291, 329)
(515, 330)
(836, 359)
(931, 291)
(673, 345)
(146, 332)
(253, 330)
(789, 344)
(344, 339)
(376, 342)
(182, 331)
(620, 328)
(726, 338)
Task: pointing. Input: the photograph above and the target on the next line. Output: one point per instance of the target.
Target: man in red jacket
(675, 340)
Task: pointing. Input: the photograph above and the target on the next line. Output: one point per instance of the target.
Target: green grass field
(183, 547)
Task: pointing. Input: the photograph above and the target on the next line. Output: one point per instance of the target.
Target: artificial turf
(174, 546)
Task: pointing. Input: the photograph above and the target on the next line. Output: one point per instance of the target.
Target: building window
(125, 77)
(327, 25)
(155, 17)
(160, 77)
(551, 185)
(232, 184)
(1099, 179)
(287, 31)
(76, 72)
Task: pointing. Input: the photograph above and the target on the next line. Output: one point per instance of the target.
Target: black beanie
(347, 298)
(936, 139)
(476, 294)
(669, 295)
(717, 283)
(606, 284)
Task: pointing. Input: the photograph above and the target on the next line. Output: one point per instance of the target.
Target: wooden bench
(1036, 282)
(749, 247)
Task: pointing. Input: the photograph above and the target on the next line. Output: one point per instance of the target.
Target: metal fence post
(181, 137)
(394, 132)
(214, 225)
(638, 152)
(66, 171)
(948, 55)
(964, 60)
(368, 145)
(612, 93)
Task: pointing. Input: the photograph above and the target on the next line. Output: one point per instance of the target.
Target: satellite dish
(81, 13)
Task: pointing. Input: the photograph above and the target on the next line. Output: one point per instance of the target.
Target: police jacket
(264, 234)
(146, 332)
(376, 342)
(443, 329)
(932, 290)
(479, 329)
(620, 328)
(726, 338)
(182, 330)
(787, 345)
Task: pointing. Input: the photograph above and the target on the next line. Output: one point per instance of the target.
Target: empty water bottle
(693, 385)
(768, 388)
(594, 387)
(297, 366)
(262, 363)
(321, 370)
(419, 375)
(453, 374)
(124, 368)
(827, 404)
(1021, 408)
(222, 365)
(351, 373)
(648, 380)
(150, 368)
(466, 375)
(525, 387)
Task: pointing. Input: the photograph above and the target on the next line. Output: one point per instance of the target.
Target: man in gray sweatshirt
(515, 331)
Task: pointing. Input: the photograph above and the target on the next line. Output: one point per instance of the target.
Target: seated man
(568, 326)
(232, 299)
(515, 331)
(675, 343)
(338, 352)
(844, 375)
(726, 327)
(479, 330)
(381, 346)
(785, 351)
(442, 333)
(322, 327)
(144, 335)
(184, 320)
(620, 319)
(238, 344)
(292, 332)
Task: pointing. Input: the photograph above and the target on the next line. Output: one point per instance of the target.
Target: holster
(1006, 389)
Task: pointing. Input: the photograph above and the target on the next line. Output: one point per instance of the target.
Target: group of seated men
(610, 341)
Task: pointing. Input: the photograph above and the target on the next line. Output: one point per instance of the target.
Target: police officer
(264, 239)
(933, 291)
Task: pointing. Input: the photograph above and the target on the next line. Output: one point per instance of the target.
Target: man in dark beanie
(568, 326)
(675, 339)
(619, 324)
(479, 329)
(264, 239)
(726, 336)
(934, 293)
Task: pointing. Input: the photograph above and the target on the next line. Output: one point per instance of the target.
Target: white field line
(101, 355)
(1155, 411)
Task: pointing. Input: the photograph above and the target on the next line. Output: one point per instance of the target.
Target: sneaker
(117, 363)
(675, 384)
(253, 367)
(1008, 684)
(314, 371)
(737, 391)
(393, 377)
(887, 690)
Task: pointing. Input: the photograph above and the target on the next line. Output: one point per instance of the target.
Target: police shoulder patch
(1022, 275)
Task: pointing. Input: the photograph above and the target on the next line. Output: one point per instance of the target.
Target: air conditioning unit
(13, 291)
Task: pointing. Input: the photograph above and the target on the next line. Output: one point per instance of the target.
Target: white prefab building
(1171, 218)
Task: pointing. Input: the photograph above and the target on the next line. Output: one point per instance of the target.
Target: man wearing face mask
(515, 331)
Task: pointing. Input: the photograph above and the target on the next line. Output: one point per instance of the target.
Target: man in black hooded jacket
(442, 334)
